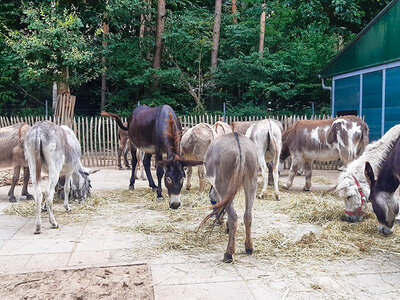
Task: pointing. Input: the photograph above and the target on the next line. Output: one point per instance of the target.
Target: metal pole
(47, 109)
(312, 110)
(224, 113)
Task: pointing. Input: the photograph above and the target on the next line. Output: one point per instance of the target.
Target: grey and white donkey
(352, 185)
(231, 163)
(267, 136)
(57, 150)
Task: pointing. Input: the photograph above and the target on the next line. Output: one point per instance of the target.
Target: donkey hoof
(29, 197)
(119, 167)
(12, 199)
(260, 196)
(131, 188)
(37, 231)
(55, 226)
(286, 187)
(306, 189)
(44, 208)
(128, 168)
(249, 251)
(277, 198)
(188, 188)
(227, 258)
(68, 208)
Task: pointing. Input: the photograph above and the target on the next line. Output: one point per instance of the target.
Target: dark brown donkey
(384, 202)
(157, 130)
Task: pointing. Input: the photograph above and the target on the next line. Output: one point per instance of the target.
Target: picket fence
(99, 139)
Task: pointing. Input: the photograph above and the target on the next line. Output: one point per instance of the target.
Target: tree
(262, 31)
(159, 34)
(51, 45)
(234, 12)
(216, 30)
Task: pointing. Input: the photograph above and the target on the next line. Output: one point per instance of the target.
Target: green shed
(366, 74)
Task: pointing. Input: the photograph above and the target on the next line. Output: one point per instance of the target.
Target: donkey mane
(173, 135)
(375, 153)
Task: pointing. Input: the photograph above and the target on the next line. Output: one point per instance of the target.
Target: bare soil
(122, 282)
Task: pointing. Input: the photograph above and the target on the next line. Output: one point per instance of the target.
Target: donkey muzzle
(175, 201)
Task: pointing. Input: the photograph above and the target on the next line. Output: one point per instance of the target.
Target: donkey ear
(369, 174)
(163, 163)
(191, 163)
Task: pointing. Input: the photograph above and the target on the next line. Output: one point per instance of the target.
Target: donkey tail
(38, 158)
(115, 117)
(234, 185)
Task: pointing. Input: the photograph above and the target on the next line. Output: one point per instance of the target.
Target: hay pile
(81, 211)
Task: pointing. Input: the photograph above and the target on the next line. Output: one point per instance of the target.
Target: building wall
(373, 93)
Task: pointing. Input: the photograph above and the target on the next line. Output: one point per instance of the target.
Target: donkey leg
(134, 162)
(250, 190)
(292, 173)
(264, 172)
(53, 179)
(119, 157)
(189, 178)
(232, 226)
(202, 180)
(160, 174)
(146, 164)
(126, 162)
(25, 186)
(307, 173)
(11, 196)
(67, 188)
(38, 207)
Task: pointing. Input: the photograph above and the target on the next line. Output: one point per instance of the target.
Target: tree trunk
(262, 31)
(159, 34)
(54, 105)
(63, 83)
(217, 27)
(103, 74)
(234, 11)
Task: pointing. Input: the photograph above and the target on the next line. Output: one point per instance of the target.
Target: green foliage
(37, 40)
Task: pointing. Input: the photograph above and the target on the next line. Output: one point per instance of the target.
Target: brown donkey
(12, 155)
(231, 163)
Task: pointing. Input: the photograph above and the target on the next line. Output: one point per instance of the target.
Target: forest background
(259, 57)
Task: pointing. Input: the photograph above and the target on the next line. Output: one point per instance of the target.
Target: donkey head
(385, 204)
(354, 203)
(80, 183)
(174, 177)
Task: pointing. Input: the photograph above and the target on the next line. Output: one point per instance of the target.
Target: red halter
(359, 211)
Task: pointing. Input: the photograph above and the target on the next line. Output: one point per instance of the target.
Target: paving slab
(214, 290)
(34, 246)
(89, 258)
(13, 264)
(48, 261)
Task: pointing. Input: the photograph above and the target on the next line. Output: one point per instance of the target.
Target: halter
(359, 211)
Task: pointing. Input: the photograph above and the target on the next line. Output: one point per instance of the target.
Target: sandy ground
(125, 282)
(134, 231)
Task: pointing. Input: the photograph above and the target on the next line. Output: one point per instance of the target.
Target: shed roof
(378, 43)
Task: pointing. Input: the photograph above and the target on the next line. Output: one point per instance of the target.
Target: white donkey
(352, 185)
(267, 137)
(194, 145)
(57, 150)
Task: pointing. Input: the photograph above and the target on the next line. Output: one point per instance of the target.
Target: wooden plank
(106, 147)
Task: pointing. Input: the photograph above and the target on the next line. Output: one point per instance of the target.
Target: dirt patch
(125, 282)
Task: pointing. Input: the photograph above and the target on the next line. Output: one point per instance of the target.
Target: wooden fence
(99, 138)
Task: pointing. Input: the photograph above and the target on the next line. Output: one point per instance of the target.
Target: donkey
(157, 130)
(384, 202)
(231, 162)
(322, 140)
(194, 145)
(12, 155)
(353, 186)
(221, 128)
(242, 126)
(124, 147)
(267, 137)
(57, 150)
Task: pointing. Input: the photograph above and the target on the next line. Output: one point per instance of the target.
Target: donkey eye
(169, 180)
